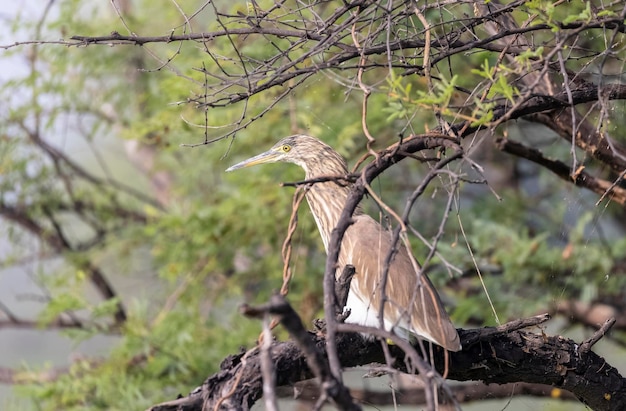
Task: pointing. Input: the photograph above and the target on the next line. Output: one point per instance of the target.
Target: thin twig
(267, 367)
(588, 343)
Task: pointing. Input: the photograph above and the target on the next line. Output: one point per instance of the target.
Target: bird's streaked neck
(327, 199)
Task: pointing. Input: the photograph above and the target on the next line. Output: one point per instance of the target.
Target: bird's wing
(412, 301)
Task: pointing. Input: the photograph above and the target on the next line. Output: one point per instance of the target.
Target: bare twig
(588, 343)
(298, 197)
(267, 367)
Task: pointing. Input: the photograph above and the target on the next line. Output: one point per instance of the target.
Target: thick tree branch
(585, 93)
(581, 178)
(586, 136)
(488, 355)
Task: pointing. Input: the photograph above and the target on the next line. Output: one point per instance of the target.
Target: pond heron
(412, 305)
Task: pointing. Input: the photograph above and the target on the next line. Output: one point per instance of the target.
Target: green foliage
(403, 101)
(159, 352)
(527, 57)
(557, 14)
(204, 254)
(528, 266)
(584, 16)
(498, 82)
(150, 363)
(543, 8)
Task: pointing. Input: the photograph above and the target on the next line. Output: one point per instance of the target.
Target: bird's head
(303, 150)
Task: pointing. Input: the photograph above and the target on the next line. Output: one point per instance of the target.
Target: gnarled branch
(499, 355)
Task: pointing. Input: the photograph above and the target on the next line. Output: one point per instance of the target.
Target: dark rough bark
(488, 356)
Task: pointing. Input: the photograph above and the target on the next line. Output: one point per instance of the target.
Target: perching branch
(503, 355)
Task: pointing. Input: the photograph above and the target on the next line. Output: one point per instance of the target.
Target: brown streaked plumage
(412, 304)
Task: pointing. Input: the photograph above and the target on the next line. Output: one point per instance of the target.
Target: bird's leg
(342, 288)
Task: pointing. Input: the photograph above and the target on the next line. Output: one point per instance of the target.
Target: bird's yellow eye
(286, 148)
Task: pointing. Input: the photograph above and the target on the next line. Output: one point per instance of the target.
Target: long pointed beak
(263, 158)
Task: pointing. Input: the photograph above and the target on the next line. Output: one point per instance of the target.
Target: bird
(412, 306)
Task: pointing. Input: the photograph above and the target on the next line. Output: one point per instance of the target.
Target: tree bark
(491, 355)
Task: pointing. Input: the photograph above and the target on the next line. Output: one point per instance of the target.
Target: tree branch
(56, 242)
(580, 178)
(488, 355)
